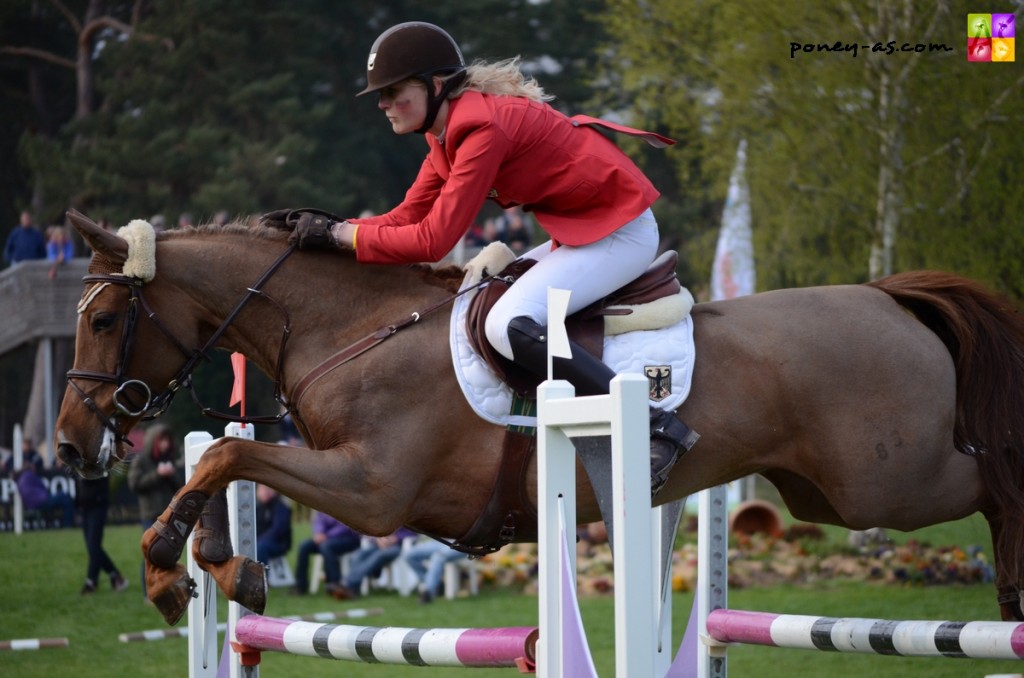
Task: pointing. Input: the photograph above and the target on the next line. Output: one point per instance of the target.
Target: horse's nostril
(69, 455)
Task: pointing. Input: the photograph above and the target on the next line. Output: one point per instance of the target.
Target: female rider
(491, 134)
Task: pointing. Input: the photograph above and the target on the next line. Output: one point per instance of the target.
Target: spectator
(94, 500)
(370, 561)
(25, 241)
(331, 539)
(36, 495)
(427, 559)
(155, 474)
(158, 222)
(29, 455)
(221, 217)
(59, 248)
(185, 220)
(273, 524)
(515, 232)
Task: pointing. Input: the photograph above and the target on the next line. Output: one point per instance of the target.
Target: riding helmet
(414, 49)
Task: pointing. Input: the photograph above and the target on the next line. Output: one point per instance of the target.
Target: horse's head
(111, 386)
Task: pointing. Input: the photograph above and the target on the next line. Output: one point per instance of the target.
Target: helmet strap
(434, 101)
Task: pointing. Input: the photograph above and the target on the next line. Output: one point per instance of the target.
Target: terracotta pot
(755, 517)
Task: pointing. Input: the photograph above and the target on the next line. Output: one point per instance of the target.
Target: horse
(895, 403)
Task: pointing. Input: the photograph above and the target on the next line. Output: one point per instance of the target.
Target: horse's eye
(103, 321)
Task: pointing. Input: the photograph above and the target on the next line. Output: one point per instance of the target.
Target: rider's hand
(313, 232)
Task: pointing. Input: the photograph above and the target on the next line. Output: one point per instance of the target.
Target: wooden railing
(34, 306)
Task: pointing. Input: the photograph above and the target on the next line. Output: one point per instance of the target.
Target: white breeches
(590, 272)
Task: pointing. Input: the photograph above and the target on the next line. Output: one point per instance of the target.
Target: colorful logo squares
(991, 37)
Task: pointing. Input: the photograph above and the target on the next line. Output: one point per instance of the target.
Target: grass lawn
(41, 574)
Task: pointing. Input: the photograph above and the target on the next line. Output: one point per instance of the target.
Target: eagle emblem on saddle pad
(659, 381)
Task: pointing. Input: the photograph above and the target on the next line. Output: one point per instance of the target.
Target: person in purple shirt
(370, 560)
(331, 539)
(35, 495)
(25, 241)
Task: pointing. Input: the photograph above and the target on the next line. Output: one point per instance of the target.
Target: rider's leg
(515, 324)
(670, 438)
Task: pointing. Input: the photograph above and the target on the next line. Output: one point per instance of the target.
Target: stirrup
(667, 431)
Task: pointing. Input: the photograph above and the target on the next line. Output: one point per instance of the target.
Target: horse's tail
(984, 333)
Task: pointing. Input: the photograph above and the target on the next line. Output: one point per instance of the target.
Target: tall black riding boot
(670, 438)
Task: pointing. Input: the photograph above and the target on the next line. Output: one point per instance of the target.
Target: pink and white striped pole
(474, 648)
(976, 639)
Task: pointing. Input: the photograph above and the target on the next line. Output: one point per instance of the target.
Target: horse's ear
(104, 243)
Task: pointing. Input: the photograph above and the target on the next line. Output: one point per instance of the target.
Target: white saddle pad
(630, 352)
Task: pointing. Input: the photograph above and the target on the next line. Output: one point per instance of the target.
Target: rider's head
(416, 51)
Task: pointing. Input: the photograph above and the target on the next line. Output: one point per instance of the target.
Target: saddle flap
(520, 380)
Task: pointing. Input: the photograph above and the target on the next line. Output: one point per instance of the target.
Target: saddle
(586, 327)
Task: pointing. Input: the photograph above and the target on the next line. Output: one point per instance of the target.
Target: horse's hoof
(251, 586)
(173, 600)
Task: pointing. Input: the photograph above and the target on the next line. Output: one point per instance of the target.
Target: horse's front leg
(202, 501)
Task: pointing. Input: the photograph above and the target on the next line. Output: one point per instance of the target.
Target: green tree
(861, 161)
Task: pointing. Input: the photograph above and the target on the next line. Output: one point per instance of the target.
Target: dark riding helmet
(415, 49)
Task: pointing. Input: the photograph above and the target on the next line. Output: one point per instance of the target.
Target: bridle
(153, 407)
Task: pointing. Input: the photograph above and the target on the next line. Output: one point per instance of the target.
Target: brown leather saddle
(586, 327)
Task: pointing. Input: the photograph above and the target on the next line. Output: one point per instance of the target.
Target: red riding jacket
(579, 185)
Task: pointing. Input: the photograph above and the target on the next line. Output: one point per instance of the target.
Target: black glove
(313, 232)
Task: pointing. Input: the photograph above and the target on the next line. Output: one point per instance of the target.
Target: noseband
(155, 406)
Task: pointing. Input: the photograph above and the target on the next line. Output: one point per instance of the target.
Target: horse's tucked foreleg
(168, 585)
(241, 579)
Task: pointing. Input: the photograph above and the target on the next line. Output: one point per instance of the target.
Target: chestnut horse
(895, 404)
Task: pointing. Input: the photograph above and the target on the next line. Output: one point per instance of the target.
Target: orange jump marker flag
(238, 388)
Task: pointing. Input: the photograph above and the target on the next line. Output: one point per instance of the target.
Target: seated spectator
(273, 524)
(331, 539)
(370, 561)
(36, 496)
(427, 559)
(515, 231)
(29, 456)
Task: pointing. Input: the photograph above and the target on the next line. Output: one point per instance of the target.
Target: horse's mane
(447, 277)
(249, 226)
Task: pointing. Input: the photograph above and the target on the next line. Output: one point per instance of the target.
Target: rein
(376, 337)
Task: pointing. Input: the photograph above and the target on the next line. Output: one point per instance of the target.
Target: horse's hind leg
(1008, 590)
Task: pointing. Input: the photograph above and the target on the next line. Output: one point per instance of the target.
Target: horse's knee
(167, 537)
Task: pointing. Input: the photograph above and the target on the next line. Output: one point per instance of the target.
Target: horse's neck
(328, 301)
